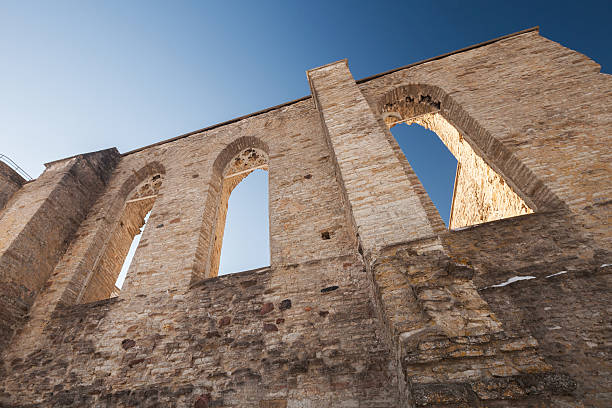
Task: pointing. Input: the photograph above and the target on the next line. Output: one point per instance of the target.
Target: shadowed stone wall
(10, 182)
(37, 226)
(100, 282)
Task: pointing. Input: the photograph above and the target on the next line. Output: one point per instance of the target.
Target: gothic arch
(116, 219)
(234, 163)
(434, 109)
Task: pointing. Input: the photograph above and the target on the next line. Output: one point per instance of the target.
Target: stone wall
(526, 105)
(37, 226)
(562, 300)
(272, 338)
(368, 301)
(100, 282)
(10, 182)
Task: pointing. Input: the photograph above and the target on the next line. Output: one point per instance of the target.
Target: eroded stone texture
(565, 306)
(223, 347)
(369, 301)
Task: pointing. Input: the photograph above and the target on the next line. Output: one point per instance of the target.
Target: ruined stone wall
(10, 182)
(263, 338)
(562, 299)
(100, 282)
(454, 348)
(368, 301)
(533, 109)
(431, 313)
(305, 201)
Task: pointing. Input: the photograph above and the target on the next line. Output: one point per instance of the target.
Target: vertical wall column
(429, 305)
(385, 208)
(37, 226)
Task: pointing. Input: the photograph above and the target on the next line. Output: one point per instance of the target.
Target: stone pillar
(449, 344)
(375, 184)
(37, 226)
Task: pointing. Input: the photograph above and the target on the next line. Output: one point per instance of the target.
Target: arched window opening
(128, 259)
(479, 194)
(433, 163)
(245, 244)
(108, 274)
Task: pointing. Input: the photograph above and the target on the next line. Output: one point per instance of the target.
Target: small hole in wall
(308, 176)
(155, 177)
(325, 235)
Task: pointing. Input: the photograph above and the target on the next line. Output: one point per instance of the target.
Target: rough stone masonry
(369, 300)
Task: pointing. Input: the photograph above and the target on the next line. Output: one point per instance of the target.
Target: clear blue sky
(79, 76)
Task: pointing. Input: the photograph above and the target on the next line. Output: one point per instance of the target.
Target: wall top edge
(227, 122)
(323, 67)
(360, 81)
(459, 51)
(111, 150)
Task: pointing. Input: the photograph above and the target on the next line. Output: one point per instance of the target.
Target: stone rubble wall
(564, 305)
(296, 336)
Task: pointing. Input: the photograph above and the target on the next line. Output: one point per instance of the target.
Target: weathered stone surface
(10, 182)
(369, 301)
(37, 225)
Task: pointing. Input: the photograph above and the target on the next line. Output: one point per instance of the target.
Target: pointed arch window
(479, 193)
(249, 168)
(103, 281)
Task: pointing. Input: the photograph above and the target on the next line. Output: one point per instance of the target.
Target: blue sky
(79, 76)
